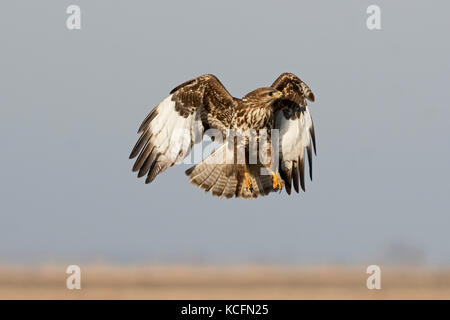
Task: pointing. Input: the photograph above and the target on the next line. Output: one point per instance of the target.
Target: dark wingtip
(148, 119)
(136, 149)
(288, 189)
(295, 175)
(189, 171)
(151, 176)
(302, 173)
(141, 173)
(287, 178)
(313, 137)
(308, 148)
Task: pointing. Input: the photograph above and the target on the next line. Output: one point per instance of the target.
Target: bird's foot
(248, 181)
(276, 182)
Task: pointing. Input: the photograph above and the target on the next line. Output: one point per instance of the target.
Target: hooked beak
(279, 94)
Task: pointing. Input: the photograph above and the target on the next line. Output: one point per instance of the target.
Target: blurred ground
(203, 282)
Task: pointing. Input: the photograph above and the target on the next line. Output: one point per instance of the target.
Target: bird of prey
(203, 103)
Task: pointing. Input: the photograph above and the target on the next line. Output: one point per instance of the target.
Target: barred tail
(228, 180)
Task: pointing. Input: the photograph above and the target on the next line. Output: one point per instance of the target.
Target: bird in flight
(200, 105)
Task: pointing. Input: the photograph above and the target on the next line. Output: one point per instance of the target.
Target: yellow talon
(276, 182)
(248, 181)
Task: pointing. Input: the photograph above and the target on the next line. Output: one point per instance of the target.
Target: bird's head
(264, 96)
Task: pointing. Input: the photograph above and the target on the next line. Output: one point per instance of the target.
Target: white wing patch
(295, 136)
(170, 137)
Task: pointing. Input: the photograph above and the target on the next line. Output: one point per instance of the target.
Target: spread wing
(178, 122)
(294, 121)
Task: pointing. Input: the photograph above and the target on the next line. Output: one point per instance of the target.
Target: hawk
(203, 103)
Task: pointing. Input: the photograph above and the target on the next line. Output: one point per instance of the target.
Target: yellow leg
(248, 181)
(276, 182)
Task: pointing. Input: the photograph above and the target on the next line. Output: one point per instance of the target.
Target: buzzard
(202, 104)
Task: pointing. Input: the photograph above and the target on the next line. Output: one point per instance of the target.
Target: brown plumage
(179, 121)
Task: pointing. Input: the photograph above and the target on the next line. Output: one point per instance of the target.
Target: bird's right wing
(178, 122)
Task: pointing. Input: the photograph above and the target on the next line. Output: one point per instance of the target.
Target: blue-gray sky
(71, 102)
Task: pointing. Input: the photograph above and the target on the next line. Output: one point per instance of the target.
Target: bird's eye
(270, 93)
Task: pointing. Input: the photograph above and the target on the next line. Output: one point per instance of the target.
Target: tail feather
(220, 183)
(202, 176)
(230, 188)
(228, 180)
(209, 184)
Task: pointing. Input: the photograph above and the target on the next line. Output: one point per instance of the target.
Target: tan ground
(244, 282)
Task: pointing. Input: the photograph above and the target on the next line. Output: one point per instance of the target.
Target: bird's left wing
(178, 122)
(294, 121)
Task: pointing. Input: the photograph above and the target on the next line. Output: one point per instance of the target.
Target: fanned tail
(228, 179)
